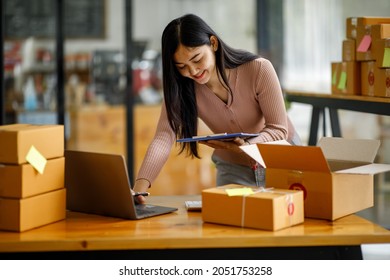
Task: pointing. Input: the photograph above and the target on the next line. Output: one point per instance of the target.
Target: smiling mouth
(199, 76)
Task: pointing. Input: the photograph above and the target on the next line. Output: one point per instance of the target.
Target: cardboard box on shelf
(382, 82)
(349, 50)
(336, 176)
(28, 213)
(266, 209)
(363, 43)
(368, 77)
(18, 139)
(380, 31)
(353, 22)
(381, 52)
(21, 181)
(346, 78)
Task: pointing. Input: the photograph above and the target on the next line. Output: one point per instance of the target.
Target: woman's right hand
(141, 185)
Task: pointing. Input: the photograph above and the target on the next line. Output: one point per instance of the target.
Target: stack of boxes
(32, 170)
(365, 66)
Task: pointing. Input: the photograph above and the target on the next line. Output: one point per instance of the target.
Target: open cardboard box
(336, 176)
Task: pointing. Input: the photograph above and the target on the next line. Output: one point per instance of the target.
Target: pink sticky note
(365, 44)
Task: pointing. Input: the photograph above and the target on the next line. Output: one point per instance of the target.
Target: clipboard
(220, 136)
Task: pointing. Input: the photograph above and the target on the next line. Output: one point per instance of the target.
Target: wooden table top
(182, 229)
(337, 96)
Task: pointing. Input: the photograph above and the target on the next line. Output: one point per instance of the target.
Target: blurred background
(107, 41)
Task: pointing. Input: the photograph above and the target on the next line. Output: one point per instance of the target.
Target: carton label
(290, 209)
(299, 187)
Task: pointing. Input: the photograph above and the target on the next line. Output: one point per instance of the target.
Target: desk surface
(183, 230)
(338, 96)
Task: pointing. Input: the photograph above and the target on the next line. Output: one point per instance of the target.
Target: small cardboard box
(382, 82)
(381, 52)
(269, 209)
(336, 176)
(368, 77)
(346, 78)
(349, 50)
(28, 213)
(21, 181)
(363, 43)
(352, 24)
(16, 141)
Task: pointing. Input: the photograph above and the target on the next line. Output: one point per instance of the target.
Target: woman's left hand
(227, 145)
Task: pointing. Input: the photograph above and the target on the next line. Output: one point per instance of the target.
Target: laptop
(98, 183)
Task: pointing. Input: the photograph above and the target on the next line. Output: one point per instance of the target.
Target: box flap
(253, 151)
(373, 168)
(304, 158)
(357, 150)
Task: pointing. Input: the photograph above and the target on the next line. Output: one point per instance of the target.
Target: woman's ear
(214, 43)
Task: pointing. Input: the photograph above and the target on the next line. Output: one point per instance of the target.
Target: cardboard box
(270, 209)
(363, 43)
(21, 181)
(368, 77)
(346, 78)
(17, 139)
(336, 176)
(349, 50)
(379, 48)
(382, 82)
(353, 22)
(28, 213)
(380, 31)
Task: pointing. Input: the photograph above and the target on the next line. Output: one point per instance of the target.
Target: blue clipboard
(219, 136)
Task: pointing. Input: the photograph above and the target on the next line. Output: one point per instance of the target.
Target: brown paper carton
(368, 77)
(20, 181)
(17, 139)
(336, 176)
(378, 52)
(271, 209)
(382, 82)
(349, 50)
(346, 78)
(28, 213)
(353, 22)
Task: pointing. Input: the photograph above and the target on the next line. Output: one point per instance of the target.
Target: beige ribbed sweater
(257, 105)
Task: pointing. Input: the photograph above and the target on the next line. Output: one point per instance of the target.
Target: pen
(141, 193)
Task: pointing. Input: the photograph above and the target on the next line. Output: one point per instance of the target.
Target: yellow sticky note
(239, 191)
(36, 159)
(386, 58)
(343, 80)
(334, 77)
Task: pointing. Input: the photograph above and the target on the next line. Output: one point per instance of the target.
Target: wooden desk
(334, 102)
(183, 235)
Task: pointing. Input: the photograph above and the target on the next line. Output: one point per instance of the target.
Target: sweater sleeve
(271, 102)
(159, 149)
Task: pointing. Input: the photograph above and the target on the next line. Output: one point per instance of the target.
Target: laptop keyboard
(143, 209)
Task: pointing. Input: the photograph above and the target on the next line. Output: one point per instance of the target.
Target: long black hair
(179, 91)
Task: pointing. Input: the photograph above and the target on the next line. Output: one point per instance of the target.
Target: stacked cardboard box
(365, 65)
(32, 169)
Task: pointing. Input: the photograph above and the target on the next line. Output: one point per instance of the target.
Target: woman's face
(197, 63)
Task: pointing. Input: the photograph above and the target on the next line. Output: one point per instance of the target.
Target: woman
(231, 90)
